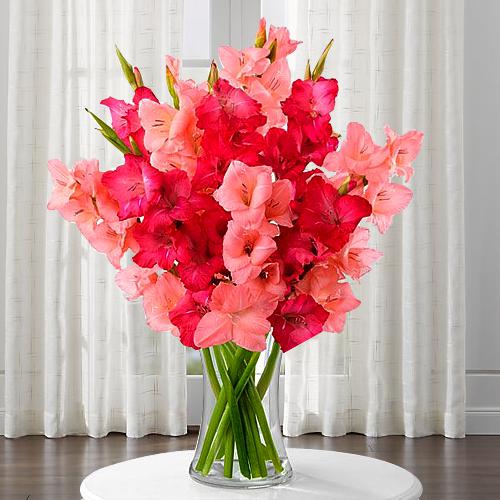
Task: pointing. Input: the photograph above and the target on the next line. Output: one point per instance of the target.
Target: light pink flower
(64, 184)
(359, 155)
(338, 303)
(322, 283)
(156, 120)
(403, 149)
(387, 200)
(355, 258)
(113, 239)
(270, 280)
(270, 89)
(159, 299)
(181, 149)
(189, 92)
(133, 280)
(246, 247)
(245, 188)
(238, 313)
(284, 45)
(170, 135)
(238, 65)
(278, 205)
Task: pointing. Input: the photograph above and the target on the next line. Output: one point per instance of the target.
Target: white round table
(318, 475)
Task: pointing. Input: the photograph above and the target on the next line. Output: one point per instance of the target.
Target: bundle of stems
(238, 419)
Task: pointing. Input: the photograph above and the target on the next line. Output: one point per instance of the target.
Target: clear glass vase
(240, 444)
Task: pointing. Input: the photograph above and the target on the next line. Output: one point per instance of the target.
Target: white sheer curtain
(399, 366)
(79, 358)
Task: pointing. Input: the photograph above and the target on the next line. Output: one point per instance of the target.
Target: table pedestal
(318, 475)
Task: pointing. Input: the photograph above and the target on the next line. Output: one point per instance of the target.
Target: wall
(482, 206)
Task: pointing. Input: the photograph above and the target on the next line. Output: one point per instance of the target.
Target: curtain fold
(79, 358)
(398, 368)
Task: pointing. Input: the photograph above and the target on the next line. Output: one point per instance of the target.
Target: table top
(318, 474)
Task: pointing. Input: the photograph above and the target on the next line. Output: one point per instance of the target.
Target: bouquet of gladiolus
(243, 216)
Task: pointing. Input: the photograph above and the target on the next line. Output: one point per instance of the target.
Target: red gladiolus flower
(125, 118)
(159, 244)
(126, 185)
(229, 107)
(311, 99)
(187, 314)
(297, 320)
(330, 216)
(168, 196)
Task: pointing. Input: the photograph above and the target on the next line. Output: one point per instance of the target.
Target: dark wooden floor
(52, 469)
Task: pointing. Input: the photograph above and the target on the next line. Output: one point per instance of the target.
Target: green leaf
(213, 76)
(135, 147)
(109, 133)
(320, 65)
(171, 88)
(272, 51)
(307, 73)
(344, 187)
(261, 36)
(127, 69)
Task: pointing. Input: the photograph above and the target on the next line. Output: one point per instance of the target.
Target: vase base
(217, 479)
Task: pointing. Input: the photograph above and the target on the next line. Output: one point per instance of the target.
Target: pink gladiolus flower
(65, 185)
(245, 188)
(387, 200)
(113, 239)
(297, 320)
(278, 205)
(336, 298)
(246, 247)
(355, 258)
(338, 303)
(188, 91)
(159, 299)
(133, 280)
(180, 150)
(156, 119)
(403, 149)
(238, 313)
(284, 45)
(240, 64)
(270, 89)
(89, 202)
(359, 155)
(270, 281)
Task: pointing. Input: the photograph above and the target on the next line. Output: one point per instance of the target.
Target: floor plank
(52, 469)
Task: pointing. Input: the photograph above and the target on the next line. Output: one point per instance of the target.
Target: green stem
(212, 376)
(255, 436)
(218, 424)
(264, 426)
(267, 374)
(229, 454)
(220, 438)
(235, 416)
(249, 439)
